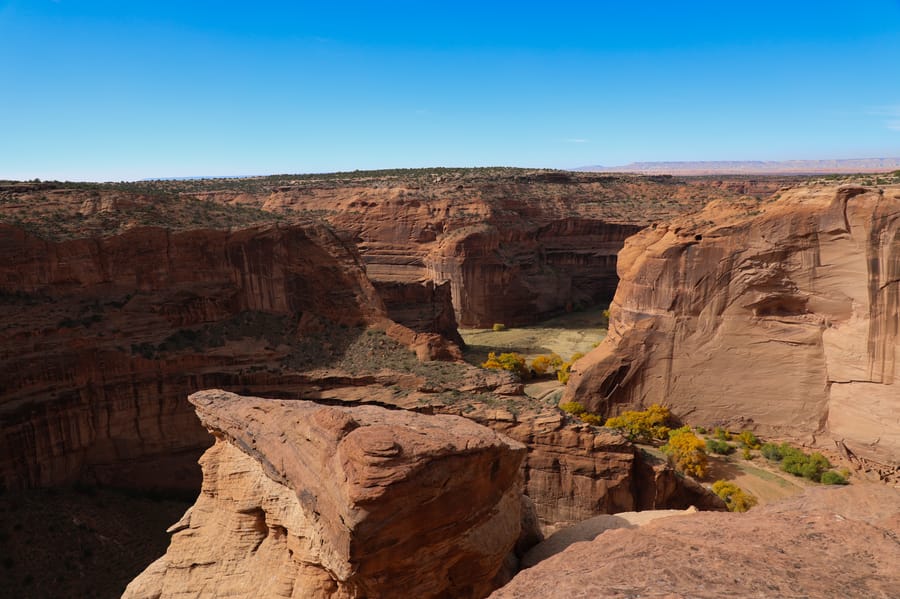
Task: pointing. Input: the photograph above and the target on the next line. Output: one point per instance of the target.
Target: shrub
(808, 466)
(833, 478)
(649, 424)
(747, 455)
(499, 326)
(573, 407)
(771, 452)
(701, 430)
(563, 373)
(797, 462)
(749, 440)
(722, 434)
(593, 419)
(687, 451)
(719, 447)
(544, 364)
(734, 497)
(512, 362)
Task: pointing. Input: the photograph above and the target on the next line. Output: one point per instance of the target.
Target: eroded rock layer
(516, 246)
(782, 316)
(826, 543)
(104, 338)
(304, 500)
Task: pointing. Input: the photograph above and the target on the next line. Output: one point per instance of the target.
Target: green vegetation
(794, 461)
(735, 498)
(833, 478)
(719, 447)
(687, 452)
(499, 326)
(647, 425)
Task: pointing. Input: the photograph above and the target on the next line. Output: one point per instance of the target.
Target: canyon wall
(304, 500)
(103, 339)
(515, 247)
(783, 317)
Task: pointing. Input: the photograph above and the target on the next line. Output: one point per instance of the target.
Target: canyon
(347, 450)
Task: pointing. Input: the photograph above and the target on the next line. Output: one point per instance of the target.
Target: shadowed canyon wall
(104, 338)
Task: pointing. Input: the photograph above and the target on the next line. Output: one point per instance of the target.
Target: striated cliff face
(102, 339)
(303, 500)
(515, 246)
(783, 317)
(422, 306)
(826, 543)
(520, 275)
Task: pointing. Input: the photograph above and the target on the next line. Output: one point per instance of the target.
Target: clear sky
(128, 89)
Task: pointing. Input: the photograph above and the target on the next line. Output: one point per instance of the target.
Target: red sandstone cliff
(516, 247)
(104, 338)
(783, 317)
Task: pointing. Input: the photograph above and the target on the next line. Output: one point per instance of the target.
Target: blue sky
(113, 90)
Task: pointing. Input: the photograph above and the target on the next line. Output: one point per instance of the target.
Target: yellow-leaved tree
(646, 425)
(511, 361)
(687, 451)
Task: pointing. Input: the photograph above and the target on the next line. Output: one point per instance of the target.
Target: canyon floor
(565, 335)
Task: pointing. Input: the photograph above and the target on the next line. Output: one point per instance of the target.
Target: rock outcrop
(826, 543)
(783, 317)
(421, 306)
(304, 500)
(104, 338)
(574, 471)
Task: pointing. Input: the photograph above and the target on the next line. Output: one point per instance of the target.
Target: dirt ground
(756, 477)
(563, 335)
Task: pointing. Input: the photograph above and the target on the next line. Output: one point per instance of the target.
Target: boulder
(304, 500)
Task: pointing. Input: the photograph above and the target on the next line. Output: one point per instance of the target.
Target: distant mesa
(753, 167)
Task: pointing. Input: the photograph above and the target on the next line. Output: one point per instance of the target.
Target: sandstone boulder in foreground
(305, 500)
(783, 317)
(827, 543)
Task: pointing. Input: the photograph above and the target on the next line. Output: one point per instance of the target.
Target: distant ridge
(754, 167)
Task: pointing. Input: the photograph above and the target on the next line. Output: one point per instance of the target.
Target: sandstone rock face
(517, 276)
(827, 543)
(303, 500)
(588, 530)
(422, 306)
(516, 248)
(104, 338)
(574, 471)
(783, 317)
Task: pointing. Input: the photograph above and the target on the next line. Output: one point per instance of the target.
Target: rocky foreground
(304, 500)
(824, 544)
